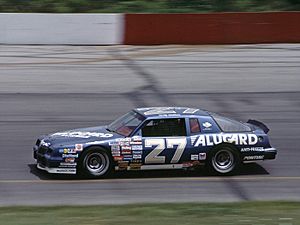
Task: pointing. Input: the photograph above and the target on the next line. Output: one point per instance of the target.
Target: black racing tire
(95, 162)
(224, 160)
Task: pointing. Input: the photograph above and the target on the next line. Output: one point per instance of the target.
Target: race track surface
(47, 89)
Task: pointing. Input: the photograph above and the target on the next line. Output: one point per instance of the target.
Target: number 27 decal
(153, 156)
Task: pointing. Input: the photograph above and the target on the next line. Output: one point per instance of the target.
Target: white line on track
(214, 179)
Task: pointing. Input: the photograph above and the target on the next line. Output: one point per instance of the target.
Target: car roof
(170, 111)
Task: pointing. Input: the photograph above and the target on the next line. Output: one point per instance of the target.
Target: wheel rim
(223, 161)
(97, 163)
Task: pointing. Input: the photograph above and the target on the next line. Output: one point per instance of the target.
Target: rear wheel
(224, 160)
(96, 163)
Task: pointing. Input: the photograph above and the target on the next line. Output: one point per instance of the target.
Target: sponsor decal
(123, 139)
(137, 156)
(120, 168)
(207, 125)
(69, 165)
(254, 157)
(81, 134)
(190, 164)
(126, 152)
(124, 143)
(136, 142)
(122, 165)
(137, 147)
(135, 166)
(118, 158)
(115, 148)
(67, 151)
(214, 139)
(202, 156)
(78, 147)
(70, 155)
(113, 143)
(194, 157)
(124, 148)
(66, 170)
(115, 153)
(44, 143)
(253, 149)
(69, 160)
(137, 152)
(127, 157)
(136, 138)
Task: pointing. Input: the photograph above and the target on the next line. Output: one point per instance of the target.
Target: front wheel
(224, 160)
(96, 163)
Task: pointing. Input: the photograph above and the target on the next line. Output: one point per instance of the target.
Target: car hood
(80, 136)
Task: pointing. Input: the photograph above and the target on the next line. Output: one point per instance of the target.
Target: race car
(155, 138)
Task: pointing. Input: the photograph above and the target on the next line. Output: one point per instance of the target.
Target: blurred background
(155, 6)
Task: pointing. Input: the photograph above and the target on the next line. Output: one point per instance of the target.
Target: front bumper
(57, 170)
(53, 164)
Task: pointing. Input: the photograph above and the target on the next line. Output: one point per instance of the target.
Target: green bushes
(153, 6)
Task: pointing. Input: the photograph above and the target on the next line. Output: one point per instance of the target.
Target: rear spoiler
(259, 124)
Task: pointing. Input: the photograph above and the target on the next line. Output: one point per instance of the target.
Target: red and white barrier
(150, 29)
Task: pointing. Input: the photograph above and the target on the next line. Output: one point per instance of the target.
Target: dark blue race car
(155, 138)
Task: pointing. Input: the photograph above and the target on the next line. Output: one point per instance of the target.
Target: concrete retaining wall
(78, 29)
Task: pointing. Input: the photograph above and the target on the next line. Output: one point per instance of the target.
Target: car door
(164, 141)
(200, 141)
(194, 154)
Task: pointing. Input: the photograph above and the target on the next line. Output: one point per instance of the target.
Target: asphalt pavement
(44, 89)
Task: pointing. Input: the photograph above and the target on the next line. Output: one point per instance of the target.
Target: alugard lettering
(215, 139)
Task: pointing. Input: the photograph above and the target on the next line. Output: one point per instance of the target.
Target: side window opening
(194, 125)
(228, 125)
(164, 128)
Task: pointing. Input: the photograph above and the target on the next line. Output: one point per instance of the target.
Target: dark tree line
(155, 6)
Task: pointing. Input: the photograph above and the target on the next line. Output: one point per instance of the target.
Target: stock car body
(155, 138)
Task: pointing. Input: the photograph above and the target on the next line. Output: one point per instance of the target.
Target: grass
(260, 213)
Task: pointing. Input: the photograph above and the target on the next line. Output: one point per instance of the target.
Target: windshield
(126, 124)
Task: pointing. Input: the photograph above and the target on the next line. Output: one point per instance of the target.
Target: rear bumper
(265, 154)
(270, 153)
